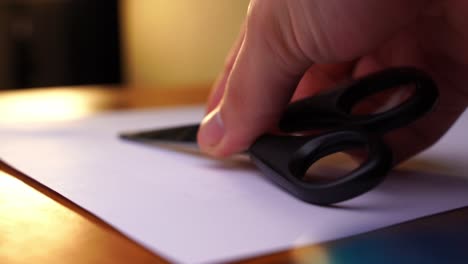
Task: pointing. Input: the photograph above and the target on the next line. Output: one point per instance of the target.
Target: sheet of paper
(192, 209)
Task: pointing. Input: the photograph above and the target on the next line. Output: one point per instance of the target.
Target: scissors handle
(286, 159)
(333, 110)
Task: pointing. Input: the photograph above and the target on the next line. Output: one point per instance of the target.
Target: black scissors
(285, 158)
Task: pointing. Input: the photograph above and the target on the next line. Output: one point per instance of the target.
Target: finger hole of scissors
(382, 101)
(335, 165)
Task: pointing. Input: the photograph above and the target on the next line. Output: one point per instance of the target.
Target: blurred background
(141, 43)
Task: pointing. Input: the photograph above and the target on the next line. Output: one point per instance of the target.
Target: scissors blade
(181, 136)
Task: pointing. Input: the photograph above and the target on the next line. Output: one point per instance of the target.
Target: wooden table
(38, 225)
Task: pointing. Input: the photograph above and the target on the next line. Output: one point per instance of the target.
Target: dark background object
(59, 42)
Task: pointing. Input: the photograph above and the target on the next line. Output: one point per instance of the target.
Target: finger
(404, 142)
(407, 141)
(421, 134)
(321, 77)
(247, 108)
(220, 84)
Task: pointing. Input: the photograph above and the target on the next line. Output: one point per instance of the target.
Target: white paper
(192, 209)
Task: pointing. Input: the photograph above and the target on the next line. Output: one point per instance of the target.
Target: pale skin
(295, 48)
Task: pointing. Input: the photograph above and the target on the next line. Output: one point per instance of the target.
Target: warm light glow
(301, 253)
(316, 254)
(23, 211)
(36, 229)
(175, 43)
(46, 105)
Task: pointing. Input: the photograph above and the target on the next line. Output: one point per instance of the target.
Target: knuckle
(290, 31)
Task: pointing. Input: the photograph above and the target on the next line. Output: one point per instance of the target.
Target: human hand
(291, 49)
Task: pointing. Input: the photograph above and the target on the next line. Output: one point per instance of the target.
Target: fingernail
(212, 129)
